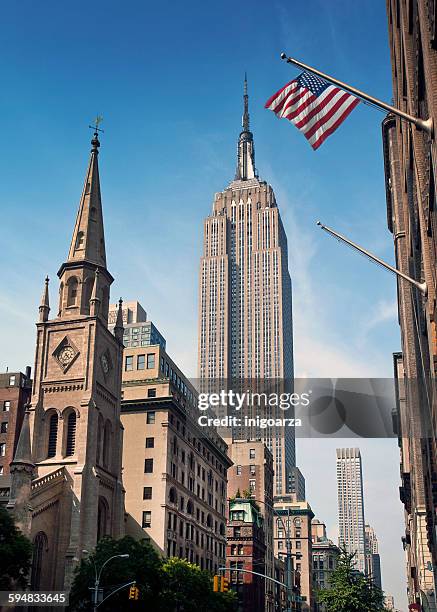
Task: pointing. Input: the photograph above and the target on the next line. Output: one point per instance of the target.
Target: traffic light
(224, 585)
(134, 592)
(216, 584)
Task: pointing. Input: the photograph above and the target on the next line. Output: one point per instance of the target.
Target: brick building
(410, 162)
(15, 391)
(245, 549)
(252, 471)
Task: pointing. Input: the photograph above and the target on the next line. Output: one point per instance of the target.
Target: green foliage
(167, 585)
(15, 554)
(349, 590)
(189, 588)
(143, 565)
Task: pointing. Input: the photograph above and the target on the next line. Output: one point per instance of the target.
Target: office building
(174, 471)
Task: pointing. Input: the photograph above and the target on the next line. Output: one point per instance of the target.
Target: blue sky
(167, 78)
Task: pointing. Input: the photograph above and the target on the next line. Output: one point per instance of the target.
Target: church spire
(87, 250)
(119, 327)
(44, 307)
(88, 241)
(246, 149)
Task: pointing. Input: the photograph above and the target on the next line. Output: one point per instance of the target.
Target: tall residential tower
(351, 504)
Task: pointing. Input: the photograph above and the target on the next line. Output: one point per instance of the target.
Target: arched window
(102, 518)
(61, 294)
(209, 521)
(71, 434)
(87, 291)
(72, 285)
(40, 545)
(100, 426)
(172, 496)
(53, 435)
(106, 443)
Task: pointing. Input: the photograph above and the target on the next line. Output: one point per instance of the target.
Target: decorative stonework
(66, 354)
(106, 363)
(62, 388)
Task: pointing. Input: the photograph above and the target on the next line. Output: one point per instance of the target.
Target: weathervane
(97, 121)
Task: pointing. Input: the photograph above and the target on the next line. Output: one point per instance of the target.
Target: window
(237, 532)
(298, 544)
(2, 449)
(147, 493)
(72, 285)
(1, 470)
(252, 470)
(4, 427)
(12, 380)
(150, 419)
(129, 363)
(6, 406)
(148, 466)
(150, 442)
(238, 470)
(150, 361)
(53, 435)
(151, 392)
(252, 453)
(252, 485)
(141, 362)
(71, 434)
(147, 519)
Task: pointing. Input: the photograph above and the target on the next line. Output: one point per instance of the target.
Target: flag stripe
(333, 127)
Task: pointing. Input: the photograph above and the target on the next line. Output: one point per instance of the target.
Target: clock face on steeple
(65, 353)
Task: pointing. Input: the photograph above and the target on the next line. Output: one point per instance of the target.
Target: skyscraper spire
(245, 121)
(246, 149)
(88, 241)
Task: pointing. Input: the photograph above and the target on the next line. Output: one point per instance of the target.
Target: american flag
(313, 105)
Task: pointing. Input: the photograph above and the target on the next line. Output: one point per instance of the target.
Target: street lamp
(99, 574)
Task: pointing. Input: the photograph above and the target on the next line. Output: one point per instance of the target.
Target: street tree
(349, 590)
(15, 554)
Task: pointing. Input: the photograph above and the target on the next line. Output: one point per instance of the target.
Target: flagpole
(426, 125)
(421, 286)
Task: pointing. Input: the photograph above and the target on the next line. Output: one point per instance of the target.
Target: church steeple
(87, 251)
(88, 241)
(246, 149)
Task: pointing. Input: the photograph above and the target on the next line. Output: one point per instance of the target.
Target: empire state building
(245, 304)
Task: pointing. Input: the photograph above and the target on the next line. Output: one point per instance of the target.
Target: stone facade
(295, 521)
(409, 159)
(174, 470)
